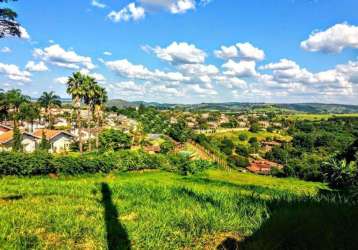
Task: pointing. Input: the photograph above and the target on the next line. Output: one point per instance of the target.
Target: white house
(29, 141)
(60, 140)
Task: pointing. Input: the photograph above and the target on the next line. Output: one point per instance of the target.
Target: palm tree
(91, 88)
(49, 100)
(29, 111)
(15, 98)
(75, 89)
(99, 101)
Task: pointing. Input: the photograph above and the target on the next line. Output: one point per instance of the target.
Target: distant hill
(314, 108)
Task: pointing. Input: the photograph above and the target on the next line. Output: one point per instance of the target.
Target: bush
(112, 139)
(242, 150)
(166, 147)
(243, 137)
(238, 161)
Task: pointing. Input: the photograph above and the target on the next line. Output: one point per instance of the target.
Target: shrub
(112, 139)
(243, 137)
(166, 147)
(238, 161)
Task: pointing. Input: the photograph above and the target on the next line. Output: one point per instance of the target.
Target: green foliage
(166, 147)
(243, 137)
(180, 132)
(44, 144)
(238, 161)
(17, 140)
(254, 128)
(340, 174)
(242, 150)
(112, 139)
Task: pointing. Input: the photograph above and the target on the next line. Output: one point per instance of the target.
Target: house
(60, 140)
(263, 166)
(4, 129)
(268, 145)
(29, 141)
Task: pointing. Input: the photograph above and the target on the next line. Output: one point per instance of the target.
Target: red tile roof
(49, 133)
(263, 166)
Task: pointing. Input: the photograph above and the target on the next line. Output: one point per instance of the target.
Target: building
(29, 141)
(263, 166)
(4, 129)
(60, 140)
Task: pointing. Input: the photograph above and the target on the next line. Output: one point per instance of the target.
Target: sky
(188, 51)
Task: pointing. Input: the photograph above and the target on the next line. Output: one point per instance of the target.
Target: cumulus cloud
(244, 51)
(173, 6)
(98, 4)
(60, 57)
(61, 80)
(33, 67)
(332, 40)
(130, 12)
(13, 72)
(126, 69)
(179, 53)
(240, 69)
(107, 53)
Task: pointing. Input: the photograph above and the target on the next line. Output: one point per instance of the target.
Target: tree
(15, 98)
(112, 139)
(99, 104)
(29, 112)
(166, 147)
(255, 127)
(48, 101)
(75, 89)
(44, 145)
(17, 140)
(8, 23)
(340, 174)
(90, 87)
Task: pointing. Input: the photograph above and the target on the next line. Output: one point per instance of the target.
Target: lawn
(160, 210)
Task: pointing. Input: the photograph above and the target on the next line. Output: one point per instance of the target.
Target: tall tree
(75, 89)
(15, 98)
(90, 88)
(29, 112)
(48, 101)
(99, 102)
(8, 23)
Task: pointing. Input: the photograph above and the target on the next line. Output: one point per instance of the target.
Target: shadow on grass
(12, 198)
(117, 236)
(303, 224)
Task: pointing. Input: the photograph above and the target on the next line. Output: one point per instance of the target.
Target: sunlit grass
(158, 210)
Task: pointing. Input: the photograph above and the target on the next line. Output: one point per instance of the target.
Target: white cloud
(99, 77)
(130, 12)
(244, 51)
(13, 72)
(240, 69)
(283, 64)
(5, 50)
(179, 53)
(61, 80)
(107, 53)
(173, 6)
(98, 4)
(227, 52)
(126, 69)
(248, 52)
(33, 67)
(332, 40)
(56, 55)
(24, 34)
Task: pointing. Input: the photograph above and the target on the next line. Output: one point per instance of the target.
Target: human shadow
(303, 224)
(117, 236)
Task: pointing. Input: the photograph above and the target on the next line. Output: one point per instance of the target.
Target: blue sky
(187, 51)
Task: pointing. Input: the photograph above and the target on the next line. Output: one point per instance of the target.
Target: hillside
(314, 108)
(159, 210)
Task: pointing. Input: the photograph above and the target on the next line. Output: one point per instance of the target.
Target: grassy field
(317, 117)
(159, 210)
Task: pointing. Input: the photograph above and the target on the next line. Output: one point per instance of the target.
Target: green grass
(154, 210)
